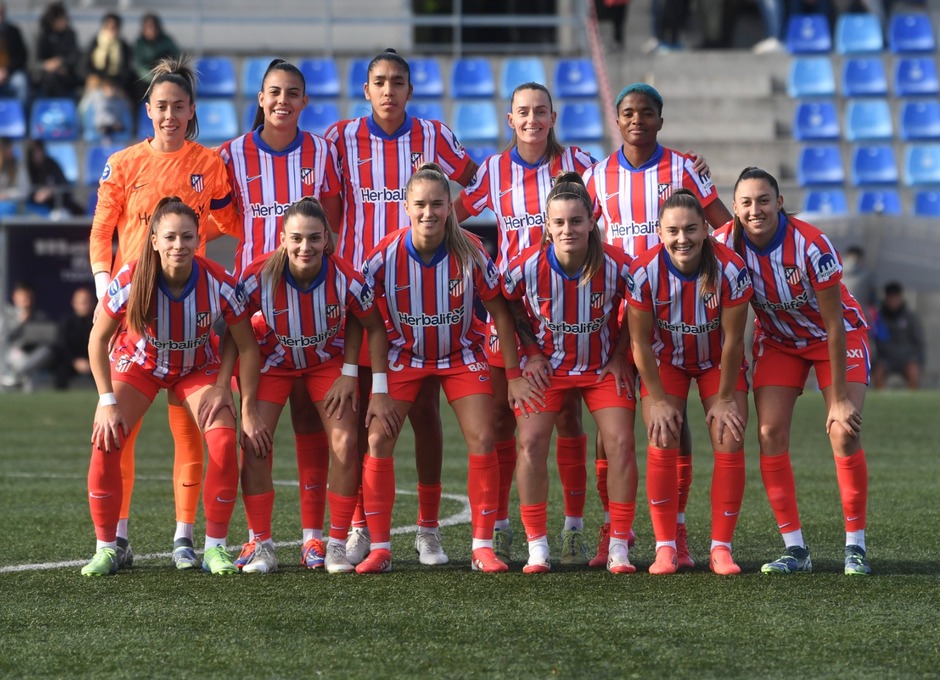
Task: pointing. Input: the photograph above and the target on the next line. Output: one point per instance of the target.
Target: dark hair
(390, 55)
(112, 16)
(643, 89)
(569, 186)
(157, 22)
(277, 65)
(179, 72)
(554, 149)
(856, 250)
(708, 273)
(140, 311)
(53, 12)
(894, 288)
(737, 229)
(308, 207)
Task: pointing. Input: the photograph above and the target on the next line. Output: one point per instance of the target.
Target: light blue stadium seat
(874, 164)
(518, 70)
(480, 152)
(65, 155)
(830, 202)
(12, 119)
(357, 76)
(426, 78)
(864, 77)
(911, 33)
(358, 109)
(218, 121)
(249, 110)
(811, 77)
(216, 77)
(927, 203)
(820, 164)
(816, 120)
(880, 202)
(253, 69)
(316, 118)
(916, 76)
(96, 157)
(54, 120)
(920, 119)
(922, 164)
(429, 110)
(472, 77)
(9, 208)
(91, 135)
(580, 121)
(476, 121)
(574, 78)
(858, 34)
(808, 33)
(322, 77)
(868, 120)
(144, 124)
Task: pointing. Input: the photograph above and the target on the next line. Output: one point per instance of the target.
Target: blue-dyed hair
(640, 88)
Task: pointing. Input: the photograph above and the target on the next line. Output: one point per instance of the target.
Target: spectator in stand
(772, 13)
(74, 331)
(899, 339)
(860, 280)
(13, 183)
(29, 338)
(614, 11)
(108, 105)
(13, 57)
(58, 54)
(50, 190)
(152, 45)
(110, 57)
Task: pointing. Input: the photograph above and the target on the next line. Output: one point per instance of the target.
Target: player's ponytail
(144, 281)
(180, 72)
(737, 229)
(708, 272)
(569, 186)
(390, 55)
(277, 65)
(554, 149)
(309, 207)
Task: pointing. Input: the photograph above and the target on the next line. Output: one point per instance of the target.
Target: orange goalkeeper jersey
(134, 181)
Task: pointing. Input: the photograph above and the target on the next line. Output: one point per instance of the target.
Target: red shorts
(677, 381)
(276, 387)
(596, 395)
(460, 381)
(148, 384)
(780, 366)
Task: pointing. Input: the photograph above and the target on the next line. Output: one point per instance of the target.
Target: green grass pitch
(448, 622)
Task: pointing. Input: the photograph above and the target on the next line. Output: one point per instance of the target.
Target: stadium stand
(858, 34)
(809, 34)
(816, 120)
(922, 164)
(12, 119)
(820, 164)
(574, 78)
(920, 120)
(868, 120)
(829, 202)
(322, 76)
(864, 77)
(54, 120)
(472, 77)
(911, 33)
(216, 77)
(811, 77)
(476, 122)
(874, 164)
(518, 70)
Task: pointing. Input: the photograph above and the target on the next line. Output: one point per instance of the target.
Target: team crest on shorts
(455, 286)
(332, 311)
(123, 365)
(665, 191)
(494, 343)
(197, 183)
(306, 176)
(792, 274)
(711, 301)
(202, 319)
(597, 300)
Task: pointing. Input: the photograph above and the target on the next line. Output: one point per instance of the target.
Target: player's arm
(109, 212)
(617, 365)
(460, 209)
(109, 425)
(716, 214)
(255, 435)
(841, 408)
(725, 409)
(333, 207)
(522, 394)
(467, 175)
(664, 421)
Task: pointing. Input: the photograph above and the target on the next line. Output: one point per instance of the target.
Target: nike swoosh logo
(504, 192)
(336, 528)
(224, 500)
(99, 495)
(252, 179)
(141, 186)
(852, 519)
(309, 487)
(212, 371)
(730, 514)
(621, 533)
(544, 299)
(278, 312)
(616, 193)
(376, 512)
(665, 500)
(784, 525)
(363, 160)
(489, 512)
(189, 485)
(400, 288)
(576, 493)
(849, 368)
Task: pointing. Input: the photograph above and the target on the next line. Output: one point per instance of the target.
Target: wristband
(513, 373)
(102, 281)
(380, 383)
(107, 399)
(350, 370)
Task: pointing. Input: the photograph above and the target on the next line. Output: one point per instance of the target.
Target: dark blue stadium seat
(518, 70)
(12, 119)
(868, 120)
(91, 135)
(358, 74)
(480, 153)
(922, 164)
(911, 33)
(830, 202)
(317, 117)
(426, 78)
(580, 121)
(96, 157)
(811, 77)
(253, 69)
(574, 78)
(216, 77)
(476, 121)
(9, 208)
(920, 119)
(322, 77)
(218, 121)
(248, 115)
(429, 110)
(858, 34)
(880, 202)
(864, 77)
(54, 120)
(916, 76)
(808, 33)
(820, 164)
(816, 120)
(144, 124)
(472, 77)
(927, 203)
(65, 155)
(874, 164)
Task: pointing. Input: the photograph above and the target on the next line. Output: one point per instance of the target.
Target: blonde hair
(569, 186)
(308, 207)
(178, 71)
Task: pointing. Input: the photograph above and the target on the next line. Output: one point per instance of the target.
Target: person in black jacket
(74, 330)
(58, 54)
(13, 57)
(899, 339)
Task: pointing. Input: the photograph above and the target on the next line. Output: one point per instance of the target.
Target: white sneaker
(429, 548)
(358, 544)
(618, 560)
(539, 561)
(768, 46)
(336, 561)
(263, 561)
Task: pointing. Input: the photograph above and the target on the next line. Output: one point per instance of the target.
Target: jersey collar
(672, 268)
(439, 256)
(652, 162)
(260, 143)
(774, 242)
(377, 131)
(556, 265)
(190, 285)
(518, 160)
(317, 280)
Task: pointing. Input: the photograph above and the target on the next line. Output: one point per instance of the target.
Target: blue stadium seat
(144, 124)
(359, 109)
(920, 120)
(91, 135)
(54, 120)
(820, 164)
(12, 119)
(927, 203)
(218, 121)
(911, 33)
(880, 202)
(9, 208)
(575, 78)
(815, 121)
(858, 34)
(864, 77)
(480, 153)
(65, 155)
(874, 164)
(322, 77)
(91, 203)
(358, 74)
(830, 202)
(580, 121)
(808, 33)
(518, 70)
(922, 164)
(472, 77)
(316, 118)
(811, 77)
(426, 78)
(916, 76)
(216, 77)
(253, 70)
(476, 122)
(96, 157)
(868, 120)
(248, 115)
(429, 110)
(595, 151)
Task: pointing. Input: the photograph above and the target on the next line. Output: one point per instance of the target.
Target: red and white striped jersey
(375, 169)
(687, 324)
(516, 191)
(303, 326)
(576, 325)
(266, 182)
(628, 198)
(787, 273)
(180, 339)
(429, 307)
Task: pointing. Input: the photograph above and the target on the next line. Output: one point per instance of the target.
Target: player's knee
(773, 437)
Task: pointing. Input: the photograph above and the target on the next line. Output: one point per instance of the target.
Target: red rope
(600, 68)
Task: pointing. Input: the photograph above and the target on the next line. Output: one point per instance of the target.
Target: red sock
(684, 469)
(188, 463)
(341, 511)
(535, 520)
(727, 494)
(221, 485)
(852, 474)
(662, 484)
(571, 455)
(127, 469)
(621, 519)
(359, 515)
(258, 508)
(777, 474)
(482, 488)
(313, 466)
(105, 492)
(429, 505)
(600, 467)
(378, 491)
(506, 457)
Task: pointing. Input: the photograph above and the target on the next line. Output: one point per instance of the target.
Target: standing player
(168, 164)
(805, 318)
(270, 168)
(628, 187)
(378, 155)
(428, 276)
(688, 308)
(163, 307)
(573, 286)
(514, 185)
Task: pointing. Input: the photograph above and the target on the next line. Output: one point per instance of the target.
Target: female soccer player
(428, 276)
(688, 308)
(805, 318)
(514, 185)
(163, 307)
(168, 164)
(304, 294)
(378, 155)
(270, 168)
(573, 286)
